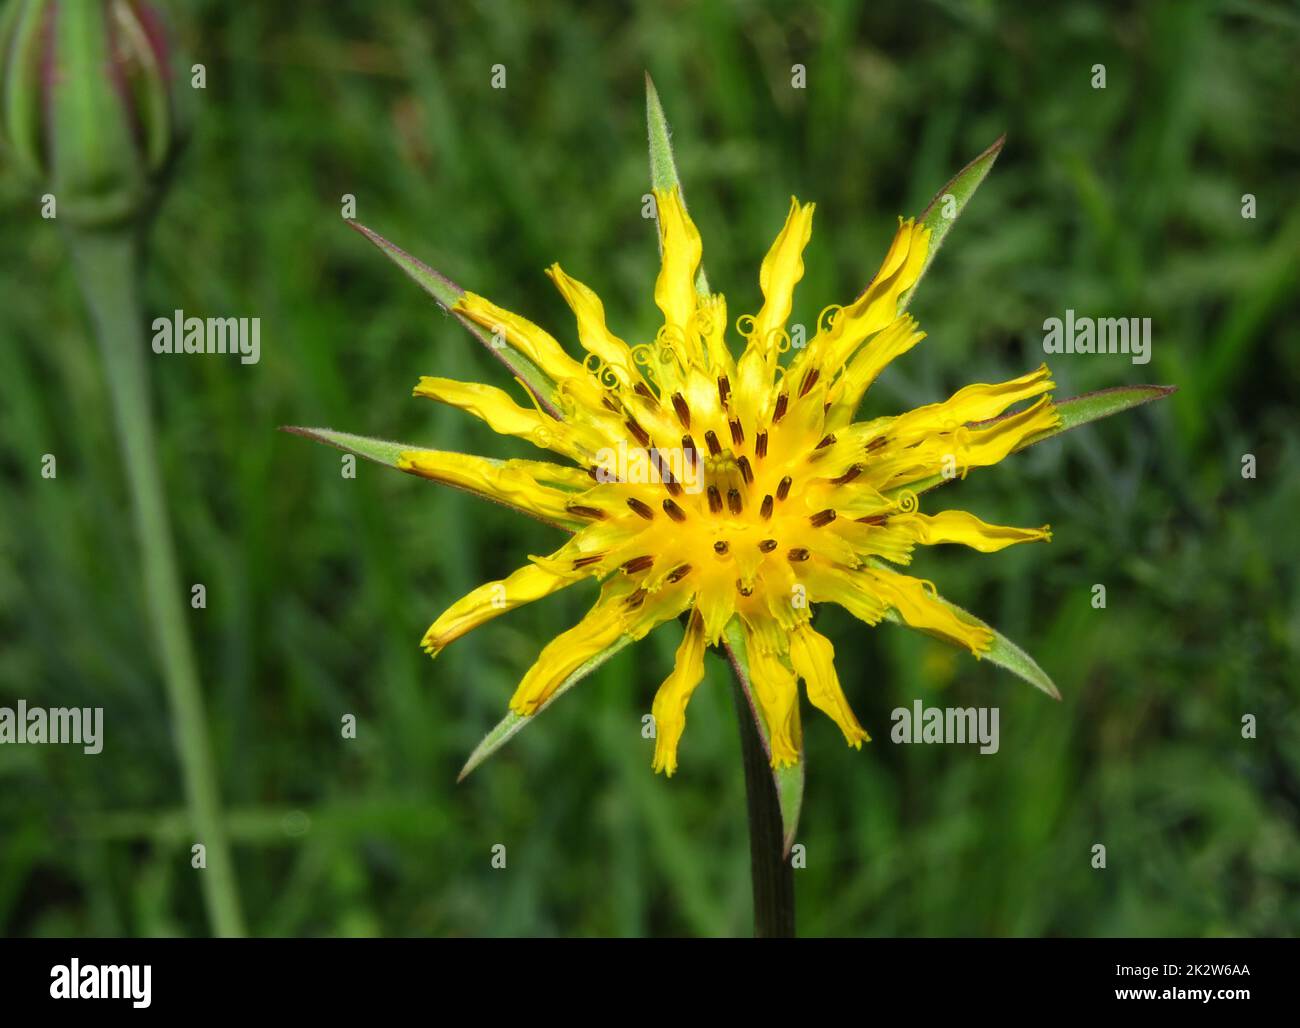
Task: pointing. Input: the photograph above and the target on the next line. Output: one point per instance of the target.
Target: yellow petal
(901, 463)
(851, 590)
(922, 609)
(778, 697)
(959, 526)
(992, 444)
(567, 652)
(813, 658)
(593, 334)
(534, 342)
(877, 307)
(495, 407)
(670, 701)
(489, 600)
(527, 486)
(781, 271)
(680, 258)
(978, 402)
(846, 395)
(711, 316)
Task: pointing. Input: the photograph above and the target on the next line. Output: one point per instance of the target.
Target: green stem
(772, 874)
(108, 264)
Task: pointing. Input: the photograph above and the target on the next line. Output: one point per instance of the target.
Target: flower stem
(107, 264)
(771, 872)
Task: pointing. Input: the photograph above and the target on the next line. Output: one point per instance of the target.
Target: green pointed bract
(1089, 407)
(947, 205)
(381, 451)
(789, 780)
(512, 724)
(446, 293)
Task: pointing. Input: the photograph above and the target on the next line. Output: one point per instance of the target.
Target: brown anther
(721, 547)
(683, 411)
(724, 389)
(809, 380)
(641, 389)
(637, 564)
(797, 554)
(826, 441)
(665, 475)
(848, 476)
(643, 509)
(635, 599)
(874, 519)
(783, 488)
(876, 443)
(579, 511)
(767, 545)
(582, 562)
(679, 572)
(766, 509)
(744, 589)
(737, 432)
(778, 412)
(746, 472)
(642, 436)
(711, 441)
(715, 499)
(673, 511)
(609, 403)
(822, 517)
(689, 449)
(733, 501)
(760, 445)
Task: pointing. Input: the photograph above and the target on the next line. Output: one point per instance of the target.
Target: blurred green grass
(1123, 201)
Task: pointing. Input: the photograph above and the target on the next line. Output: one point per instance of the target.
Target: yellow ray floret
(813, 658)
(958, 526)
(670, 701)
(781, 271)
(531, 582)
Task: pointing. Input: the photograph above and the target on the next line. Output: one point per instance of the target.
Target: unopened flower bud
(88, 104)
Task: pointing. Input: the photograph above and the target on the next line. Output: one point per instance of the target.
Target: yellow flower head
(723, 488)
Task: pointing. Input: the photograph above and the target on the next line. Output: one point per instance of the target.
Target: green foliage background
(1123, 201)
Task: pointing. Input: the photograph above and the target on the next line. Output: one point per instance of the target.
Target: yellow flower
(718, 487)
